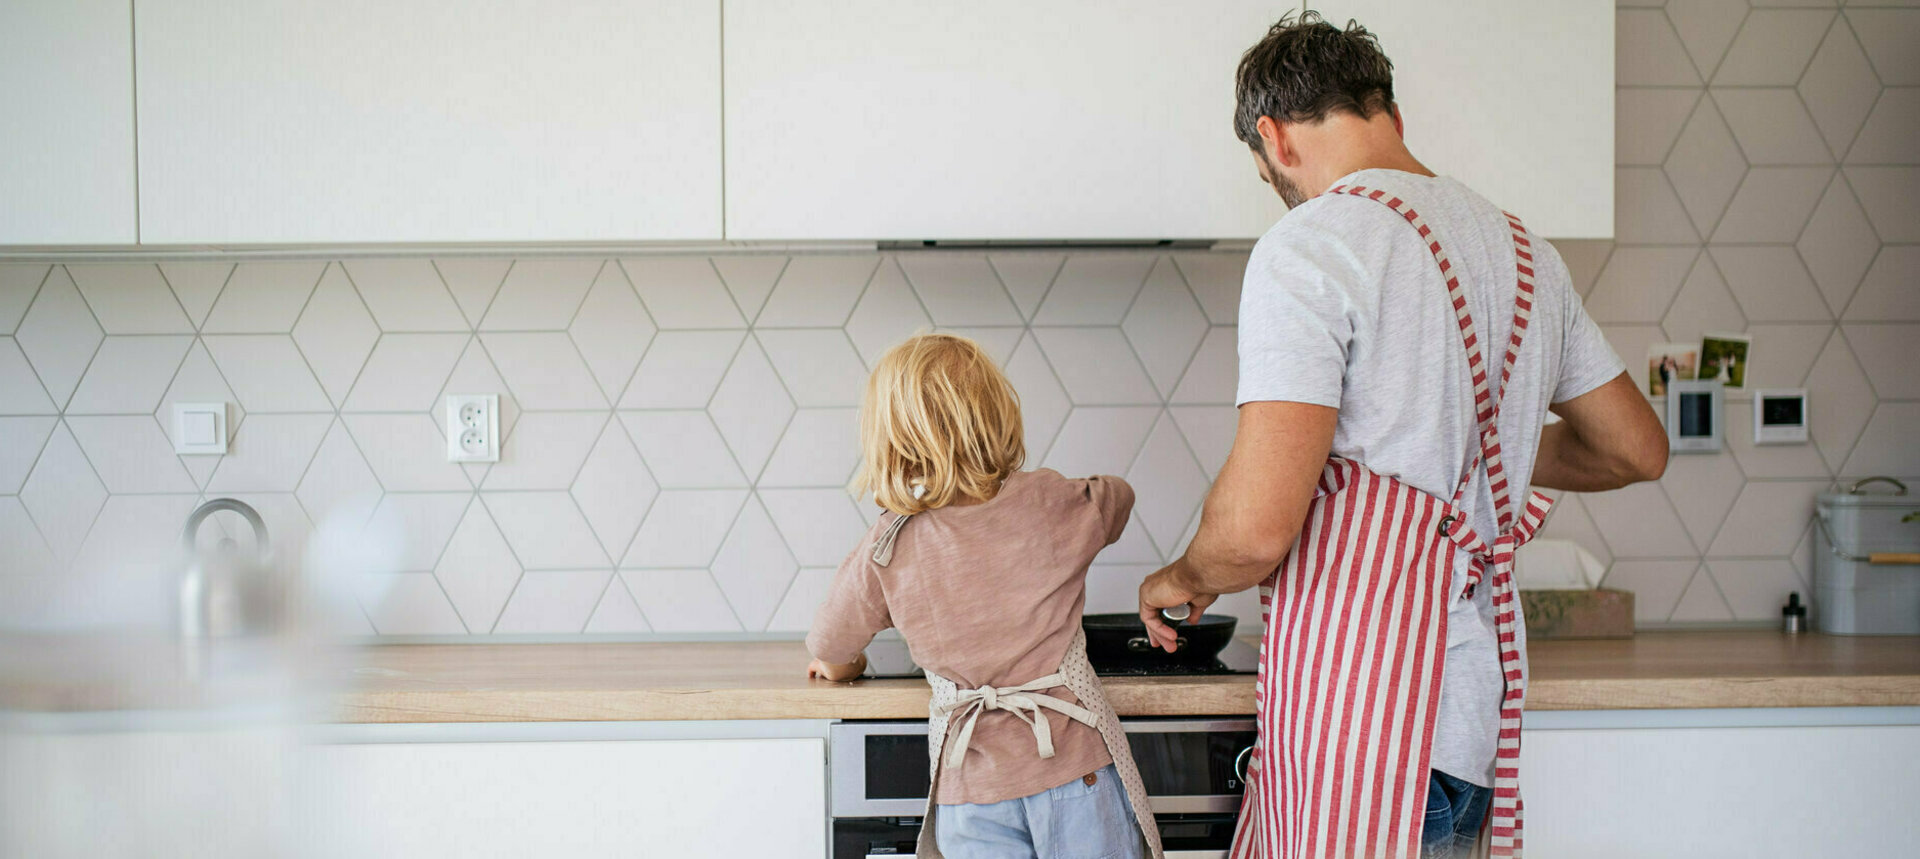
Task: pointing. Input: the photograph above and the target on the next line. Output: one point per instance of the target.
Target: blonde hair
(938, 414)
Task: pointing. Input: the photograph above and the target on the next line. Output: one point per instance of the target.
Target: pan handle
(1142, 644)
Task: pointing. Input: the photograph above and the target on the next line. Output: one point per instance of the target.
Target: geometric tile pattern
(678, 430)
(1747, 116)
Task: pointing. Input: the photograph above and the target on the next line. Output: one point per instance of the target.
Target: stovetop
(888, 658)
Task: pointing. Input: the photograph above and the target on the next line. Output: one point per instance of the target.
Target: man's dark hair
(1305, 69)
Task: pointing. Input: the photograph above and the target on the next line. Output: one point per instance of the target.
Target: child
(983, 569)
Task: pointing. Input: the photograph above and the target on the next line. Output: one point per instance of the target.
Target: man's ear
(1399, 124)
(1274, 141)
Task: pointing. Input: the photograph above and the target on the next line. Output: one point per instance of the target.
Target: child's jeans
(1077, 820)
(1455, 810)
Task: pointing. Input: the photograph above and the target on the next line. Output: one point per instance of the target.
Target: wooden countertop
(1661, 670)
(764, 680)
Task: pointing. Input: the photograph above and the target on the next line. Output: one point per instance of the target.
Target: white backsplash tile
(1094, 289)
(1027, 277)
(62, 494)
(267, 373)
(888, 313)
(541, 294)
(818, 365)
(617, 613)
(59, 336)
(1097, 366)
(614, 489)
(406, 371)
(335, 333)
(25, 437)
(262, 297)
(129, 374)
(130, 453)
(19, 283)
(820, 526)
(1773, 47)
(478, 570)
(269, 453)
(681, 600)
(754, 567)
(553, 601)
(683, 449)
(407, 452)
(611, 331)
(819, 448)
(545, 450)
(20, 390)
(130, 298)
(959, 289)
(544, 371)
(546, 530)
(406, 295)
(682, 292)
(682, 369)
(750, 280)
(408, 604)
(684, 528)
(817, 291)
(1889, 292)
(473, 283)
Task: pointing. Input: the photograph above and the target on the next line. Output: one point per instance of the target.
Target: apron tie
(1022, 702)
(883, 547)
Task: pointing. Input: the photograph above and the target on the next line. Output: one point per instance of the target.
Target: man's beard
(1290, 193)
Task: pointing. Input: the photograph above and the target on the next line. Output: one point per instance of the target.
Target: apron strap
(1486, 399)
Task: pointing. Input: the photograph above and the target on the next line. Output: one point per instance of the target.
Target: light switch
(200, 428)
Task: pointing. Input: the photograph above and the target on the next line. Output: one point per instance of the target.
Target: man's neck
(1354, 144)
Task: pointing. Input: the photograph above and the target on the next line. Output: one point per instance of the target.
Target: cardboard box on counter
(1597, 613)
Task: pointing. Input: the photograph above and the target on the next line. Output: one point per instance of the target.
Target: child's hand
(837, 672)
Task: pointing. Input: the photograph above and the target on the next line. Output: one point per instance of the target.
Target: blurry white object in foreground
(1556, 565)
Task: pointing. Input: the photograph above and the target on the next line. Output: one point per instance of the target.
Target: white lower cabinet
(636, 798)
(1722, 791)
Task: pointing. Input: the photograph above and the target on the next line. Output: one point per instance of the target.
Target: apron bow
(1023, 702)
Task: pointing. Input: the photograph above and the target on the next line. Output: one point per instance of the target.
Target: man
(1392, 669)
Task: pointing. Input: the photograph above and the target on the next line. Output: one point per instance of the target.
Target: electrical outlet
(473, 427)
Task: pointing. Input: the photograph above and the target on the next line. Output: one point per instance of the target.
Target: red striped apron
(1356, 633)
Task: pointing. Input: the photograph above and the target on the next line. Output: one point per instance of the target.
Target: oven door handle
(1240, 763)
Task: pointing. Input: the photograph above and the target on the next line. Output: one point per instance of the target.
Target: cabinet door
(1721, 792)
(66, 123)
(1076, 119)
(290, 121)
(1512, 97)
(762, 798)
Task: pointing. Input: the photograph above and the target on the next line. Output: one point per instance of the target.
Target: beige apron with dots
(1027, 703)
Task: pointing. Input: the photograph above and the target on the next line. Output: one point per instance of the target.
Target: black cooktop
(888, 658)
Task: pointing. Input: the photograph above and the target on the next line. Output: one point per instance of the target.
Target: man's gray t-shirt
(1343, 306)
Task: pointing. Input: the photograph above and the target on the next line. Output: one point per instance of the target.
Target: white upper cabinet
(1096, 119)
(291, 121)
(1512, 97)
(66, 123)
(990, 119)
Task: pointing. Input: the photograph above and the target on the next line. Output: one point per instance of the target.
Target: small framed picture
(1723, 358)
(1668, 363)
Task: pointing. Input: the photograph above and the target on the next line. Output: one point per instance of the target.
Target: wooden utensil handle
(1894, 558)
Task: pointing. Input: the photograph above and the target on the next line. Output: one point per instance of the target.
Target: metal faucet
(223, 594)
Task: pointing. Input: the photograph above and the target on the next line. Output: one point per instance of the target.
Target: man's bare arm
(1606, 438)
(1252, 514)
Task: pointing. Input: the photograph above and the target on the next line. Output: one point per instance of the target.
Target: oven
(1193, 769)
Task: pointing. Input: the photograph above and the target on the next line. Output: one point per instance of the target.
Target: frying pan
(1121, 639)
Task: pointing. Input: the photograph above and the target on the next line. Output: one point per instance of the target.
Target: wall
(1765, 184)
(677, 428)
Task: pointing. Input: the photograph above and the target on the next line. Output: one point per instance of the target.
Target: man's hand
(1159, 591)
(837, 672)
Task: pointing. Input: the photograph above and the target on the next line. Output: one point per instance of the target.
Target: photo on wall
(1723, 357)
(1670, 362)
